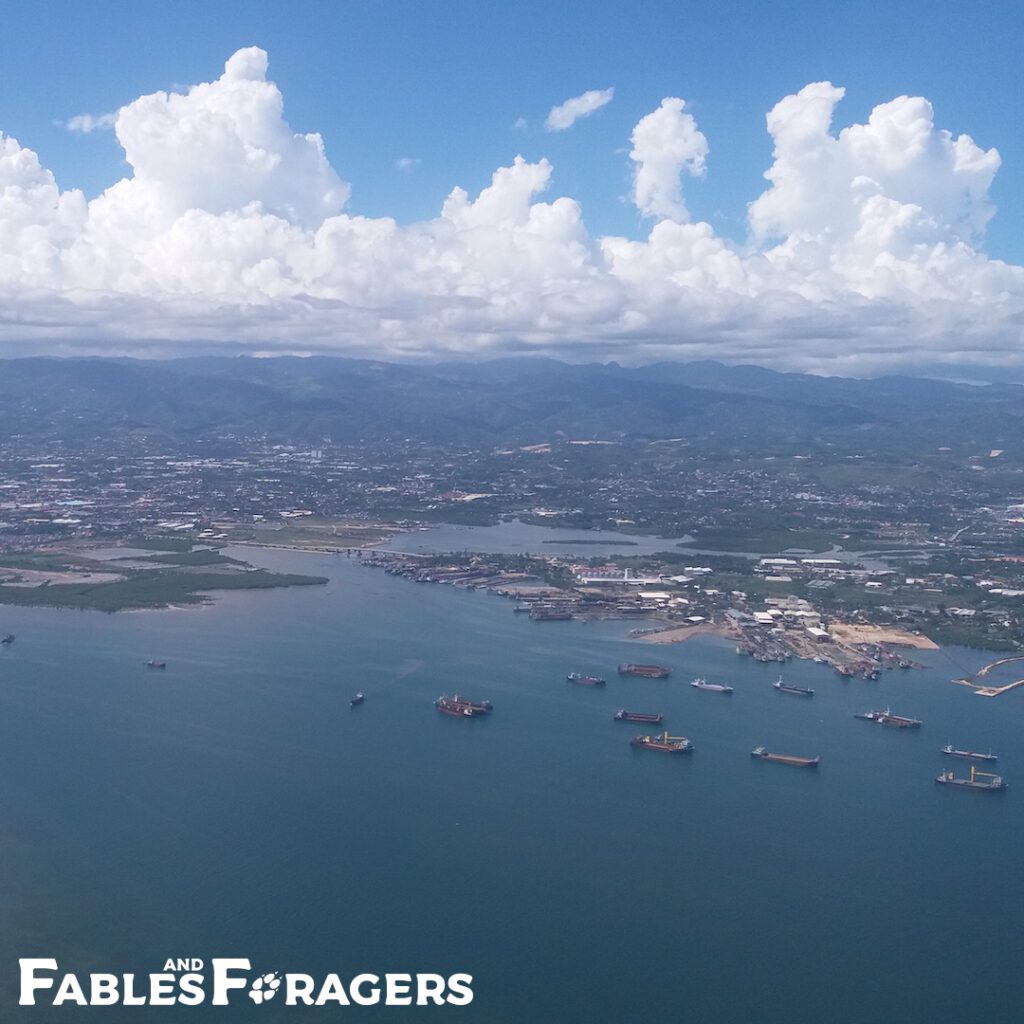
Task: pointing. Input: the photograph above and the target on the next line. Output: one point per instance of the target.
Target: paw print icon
(265, 987)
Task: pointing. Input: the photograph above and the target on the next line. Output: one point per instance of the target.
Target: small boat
(582, 680)
(357, 699)
(801, 691)
(993, 784)
(156, 664)
(701, 683)
(637, 716)
(763, 754)
(971, 755)
(665, 743)
(7, 640)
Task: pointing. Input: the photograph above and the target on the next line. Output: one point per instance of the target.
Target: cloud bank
(863, 251)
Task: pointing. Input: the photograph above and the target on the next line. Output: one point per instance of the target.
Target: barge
(541, 614)
(637, 716)
(646, 671)
(763, 754)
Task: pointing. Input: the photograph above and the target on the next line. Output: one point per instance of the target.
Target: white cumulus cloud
(666, 143)
(566, 114)
(230, 230)
(822, 182)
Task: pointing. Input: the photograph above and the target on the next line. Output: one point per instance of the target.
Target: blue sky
(446, 82)
(450, 85)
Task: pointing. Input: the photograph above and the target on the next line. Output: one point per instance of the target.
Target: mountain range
(524, 400)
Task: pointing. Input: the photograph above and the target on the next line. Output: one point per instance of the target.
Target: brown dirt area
(858, 634)
(680, 634)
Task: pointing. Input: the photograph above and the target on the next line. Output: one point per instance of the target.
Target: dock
(982, 672)
(989, 691)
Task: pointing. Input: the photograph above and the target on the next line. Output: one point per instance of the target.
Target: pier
(991, 691)
(981, 673)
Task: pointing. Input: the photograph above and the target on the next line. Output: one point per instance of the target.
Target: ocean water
(235, 805)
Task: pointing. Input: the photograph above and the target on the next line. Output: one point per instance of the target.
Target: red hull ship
(460, 707)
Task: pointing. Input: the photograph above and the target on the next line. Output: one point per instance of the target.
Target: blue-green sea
(235, 805)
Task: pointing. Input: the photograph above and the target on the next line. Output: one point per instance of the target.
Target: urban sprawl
(858, 562)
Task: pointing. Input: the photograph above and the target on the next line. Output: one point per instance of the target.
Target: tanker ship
(460, 707)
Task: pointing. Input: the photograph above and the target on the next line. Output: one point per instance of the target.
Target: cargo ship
(647, 671)
(156, 664)
(637, 716)
(993, 784)
(763, 754)
(665, 743)
(460, 707)
(886, 717)
(539, 614)
(971, 755)
(702, 684)
(357, 699)
(583, 680)
(801, 691)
